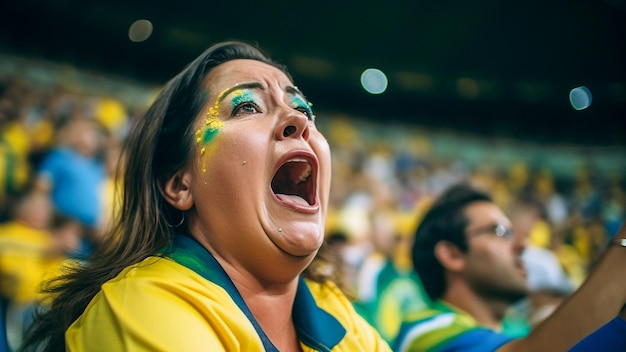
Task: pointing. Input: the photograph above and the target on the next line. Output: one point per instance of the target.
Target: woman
(226, 185)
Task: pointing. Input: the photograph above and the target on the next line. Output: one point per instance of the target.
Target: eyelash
(306, 111)
(238, 110)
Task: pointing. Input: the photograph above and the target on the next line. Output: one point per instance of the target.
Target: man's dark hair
(445, 220)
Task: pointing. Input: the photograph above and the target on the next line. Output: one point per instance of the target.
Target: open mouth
(294, 183)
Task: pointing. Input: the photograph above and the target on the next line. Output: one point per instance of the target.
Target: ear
(177, 190)
(450, 256)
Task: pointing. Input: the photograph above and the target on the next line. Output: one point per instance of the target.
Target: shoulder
(437, 329)
(161, 275)
(56, 157)
(359, 334)
(13, 233)
(179, 292)
(329, 297)
(147, 302)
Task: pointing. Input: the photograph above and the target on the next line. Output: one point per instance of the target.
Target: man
(469, 261)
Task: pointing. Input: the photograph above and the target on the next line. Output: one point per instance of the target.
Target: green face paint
(241, 96)
(205, 135)
(297, 102)
(211, 127)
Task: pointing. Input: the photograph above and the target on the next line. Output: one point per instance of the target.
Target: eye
(306, 110)
(246, 108)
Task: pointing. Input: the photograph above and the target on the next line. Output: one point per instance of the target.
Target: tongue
(290, 198)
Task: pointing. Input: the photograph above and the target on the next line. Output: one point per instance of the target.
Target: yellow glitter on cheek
(214, 111)
(206, 133)
(205, 136)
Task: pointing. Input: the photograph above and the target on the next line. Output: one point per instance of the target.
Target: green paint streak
(297, 102)
(209, 134)
(241, 96)
(211, 127)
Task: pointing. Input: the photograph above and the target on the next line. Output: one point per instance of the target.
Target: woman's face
(261, 173)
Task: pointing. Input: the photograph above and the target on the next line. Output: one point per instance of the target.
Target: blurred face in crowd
(494, 268)
(260, 178)
(35, 210)
(383, 232)
(84, 136)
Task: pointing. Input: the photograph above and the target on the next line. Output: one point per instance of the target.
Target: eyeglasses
(498, 230)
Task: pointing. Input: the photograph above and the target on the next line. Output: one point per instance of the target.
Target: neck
(272, 308)
(486, 312)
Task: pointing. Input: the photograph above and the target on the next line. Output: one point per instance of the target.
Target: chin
(516, 295)
(302, 250)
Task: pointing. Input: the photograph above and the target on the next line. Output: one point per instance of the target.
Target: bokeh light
(580, 98)
(374, 81)
(140, 31)
(467, 88)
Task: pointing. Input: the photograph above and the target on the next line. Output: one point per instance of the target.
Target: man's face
(494, 265)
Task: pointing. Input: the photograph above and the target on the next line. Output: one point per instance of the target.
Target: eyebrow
(256, 85)
(251, 85)
(296, 91)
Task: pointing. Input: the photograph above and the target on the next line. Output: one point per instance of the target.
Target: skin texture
(262, 240)
(494, 264)
(490, 276)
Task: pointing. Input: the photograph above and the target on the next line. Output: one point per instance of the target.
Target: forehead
(484, 213)
(238, 71)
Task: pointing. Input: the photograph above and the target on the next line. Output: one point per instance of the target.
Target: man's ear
(450, 256)
(177, 190)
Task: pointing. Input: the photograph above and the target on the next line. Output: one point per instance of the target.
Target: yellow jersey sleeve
(157, 306)
(162, 305)
(360, 335)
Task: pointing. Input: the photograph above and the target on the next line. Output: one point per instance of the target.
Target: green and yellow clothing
(185, 301)
(443, 327)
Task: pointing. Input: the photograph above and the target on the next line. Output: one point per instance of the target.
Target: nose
(293, 124)
(519, 242)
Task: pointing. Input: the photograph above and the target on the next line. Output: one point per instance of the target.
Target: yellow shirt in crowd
(24, 261)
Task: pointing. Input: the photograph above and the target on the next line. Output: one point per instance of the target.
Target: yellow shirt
(14, 165)
(23, 261)
(189, 304)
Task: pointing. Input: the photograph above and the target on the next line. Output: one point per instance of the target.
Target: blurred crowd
(383, 185)
(59, 147)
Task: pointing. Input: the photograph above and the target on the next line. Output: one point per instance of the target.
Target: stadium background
(476, 90)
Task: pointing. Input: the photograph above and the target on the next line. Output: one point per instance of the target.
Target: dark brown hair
(159, 144)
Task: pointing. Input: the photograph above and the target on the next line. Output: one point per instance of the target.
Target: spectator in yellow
(26, 247)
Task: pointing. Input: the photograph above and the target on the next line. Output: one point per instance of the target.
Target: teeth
(305, 174)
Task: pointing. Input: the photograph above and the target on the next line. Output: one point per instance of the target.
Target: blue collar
(316, 328)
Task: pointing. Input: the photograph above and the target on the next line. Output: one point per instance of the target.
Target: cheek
(322, 150)
(230, 157)
(485, 254)
(207, 139)
(499, 256)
